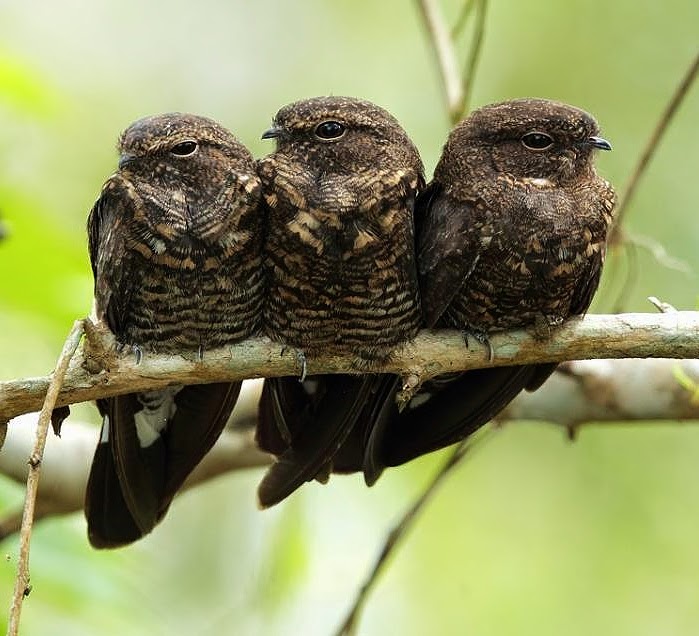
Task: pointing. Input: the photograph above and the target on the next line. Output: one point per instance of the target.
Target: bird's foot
(544, 325)
(135, 349)
(482, 338)
(301, 357)
(410, 386)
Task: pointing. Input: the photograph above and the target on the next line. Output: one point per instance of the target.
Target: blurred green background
(533, 535)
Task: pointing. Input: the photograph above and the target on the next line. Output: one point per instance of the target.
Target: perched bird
(341, 274)
(512, 234)
(175, 245)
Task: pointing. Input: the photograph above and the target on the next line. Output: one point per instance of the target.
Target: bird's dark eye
(537, 141)
(184, 148)
(330, 130)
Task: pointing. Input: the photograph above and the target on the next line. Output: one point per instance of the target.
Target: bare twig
(445, 54)
(653, 142)
(630, 251)
(457, 91)
(431, 353)
(22, 587)
(462, 19)
(632, 243)
(658, 252)
(473, 57)
(661, 305)
(398, 532)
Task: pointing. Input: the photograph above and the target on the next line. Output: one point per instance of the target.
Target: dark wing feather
(587, 286)
(201, 415)
(109, 258)
(450, 408)
(109, 520)
(383, 411)
(316, 431)
(446, 254)
(285, 404)
(361, 451)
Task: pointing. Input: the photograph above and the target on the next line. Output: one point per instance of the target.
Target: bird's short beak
(272, 133)
(600, 143)
(125, 160)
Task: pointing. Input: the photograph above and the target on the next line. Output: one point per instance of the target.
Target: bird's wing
(450, 410)
(308, 427)
(109, 257)
(446, 249)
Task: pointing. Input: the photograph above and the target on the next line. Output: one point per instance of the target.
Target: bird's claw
(482, 338)
(135, 349)
(544, 325)
(301, 357)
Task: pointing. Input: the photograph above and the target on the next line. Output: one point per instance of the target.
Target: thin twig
(654, 140)
(443, 47)
(661, 305)
(658, 252)
(398, 532)
(473, 57)
(631, 252)
(22, 587)
(462, 19)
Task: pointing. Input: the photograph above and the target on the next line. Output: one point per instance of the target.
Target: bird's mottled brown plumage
(339, 257)
(175, 246)
(511, 234)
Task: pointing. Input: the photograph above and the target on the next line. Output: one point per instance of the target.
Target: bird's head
(177, 150)
(342, 135)
(525, 139)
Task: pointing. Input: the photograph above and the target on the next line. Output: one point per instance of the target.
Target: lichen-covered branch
(98, 372)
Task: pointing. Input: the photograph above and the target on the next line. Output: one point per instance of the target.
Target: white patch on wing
(158, 408)
(104, 435)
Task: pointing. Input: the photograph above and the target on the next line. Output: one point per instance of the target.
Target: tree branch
(581, 393)
(674, 335)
